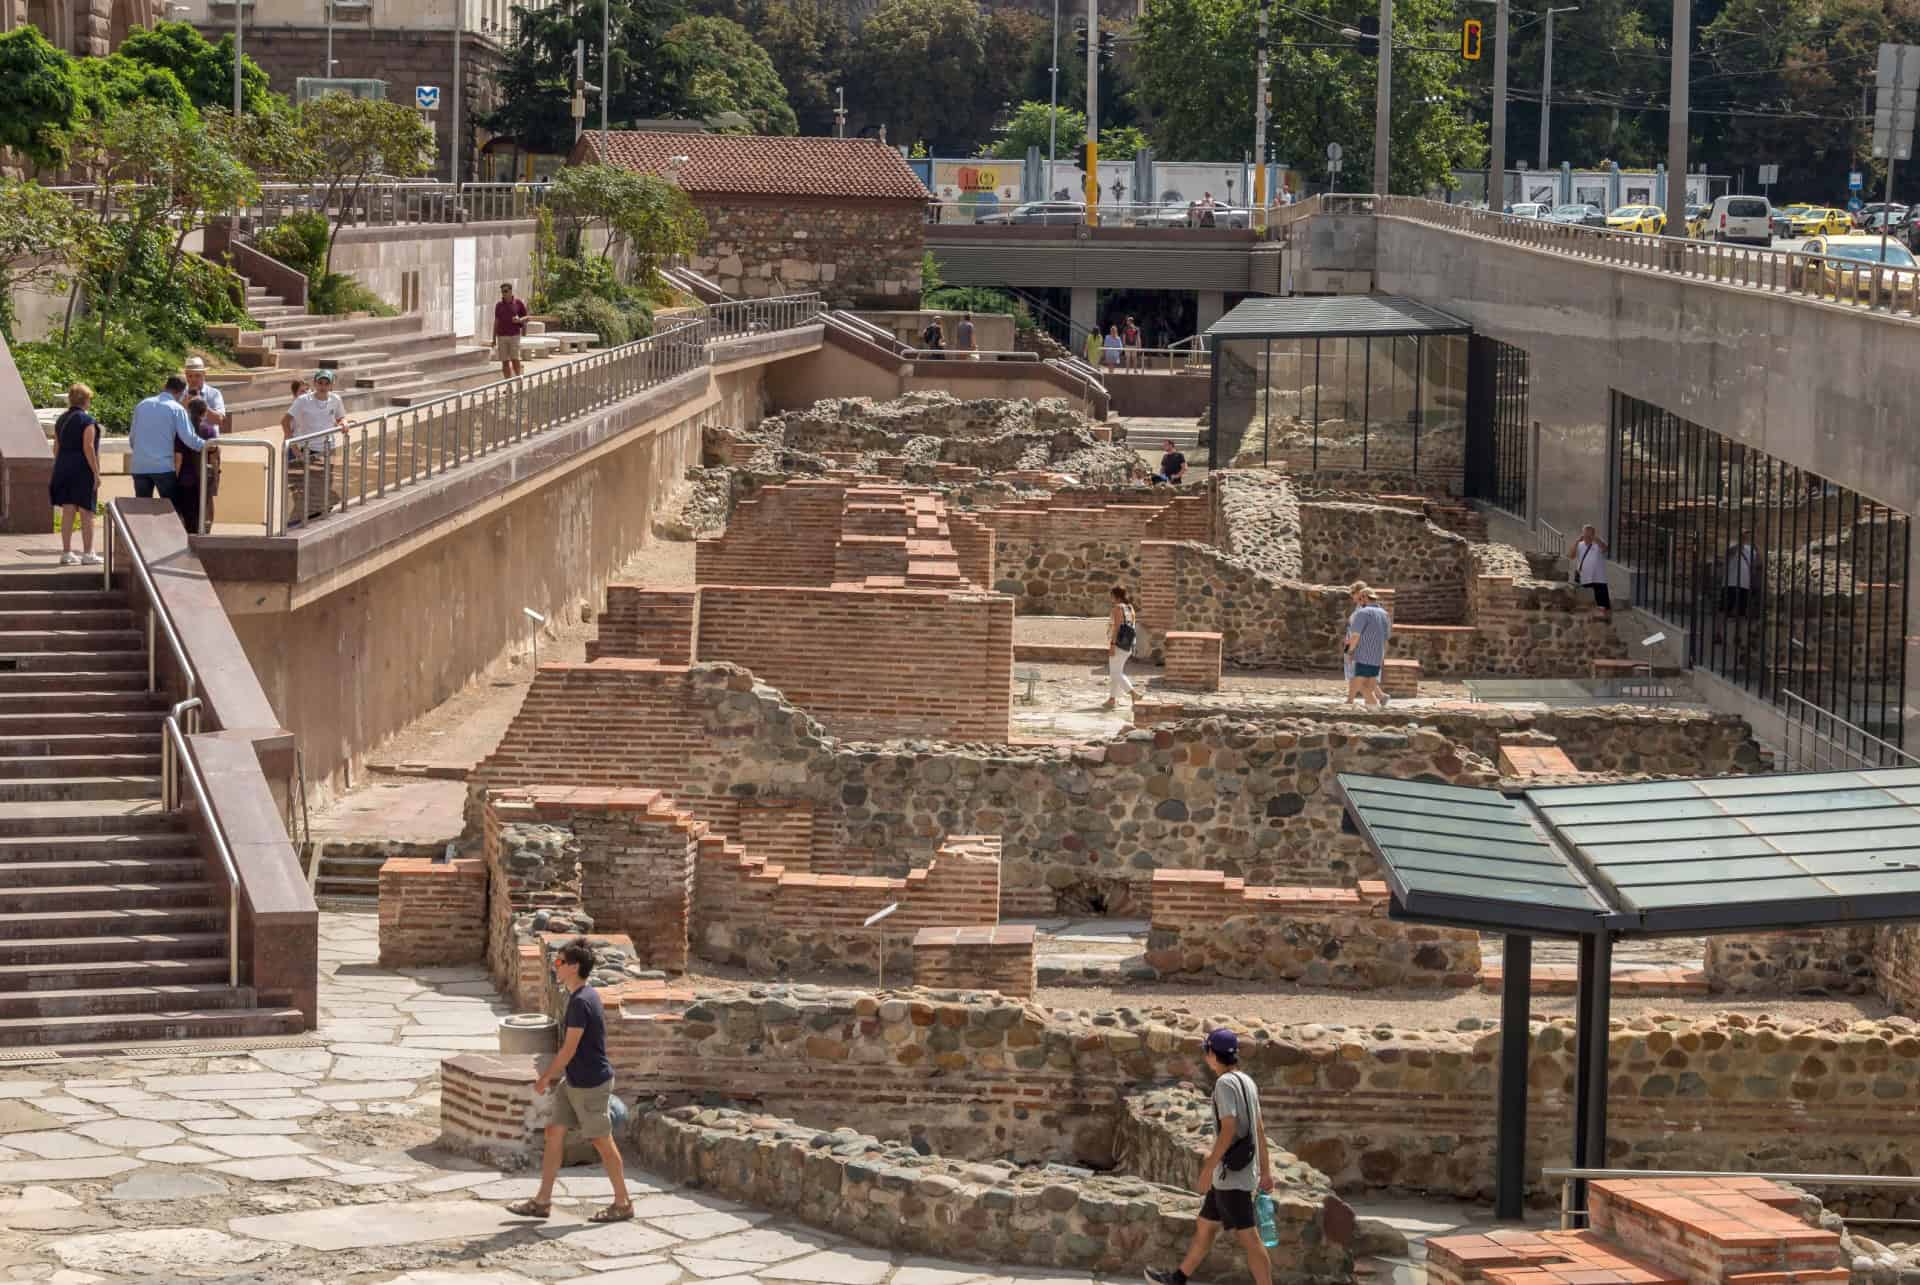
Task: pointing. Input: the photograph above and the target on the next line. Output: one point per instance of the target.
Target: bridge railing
(1110, 215)
(1878, 287)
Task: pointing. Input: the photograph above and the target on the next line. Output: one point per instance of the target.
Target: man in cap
(1366, 645)
(1236, 1168)
(509, 323)
(197, 386)
(319, 410)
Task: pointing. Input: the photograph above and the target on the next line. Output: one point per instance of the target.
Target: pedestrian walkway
(314, 1161)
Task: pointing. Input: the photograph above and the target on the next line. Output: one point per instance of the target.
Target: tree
(536, 80)
(204, 70)
(1196, 80)
(341, 142)
(109, 84)
(716, 68)
(808, 43)
(43, 237)
(39, 97)
(646, 219)
(922, 69)
(129, 151)
(1029, 127)
(1121, 142)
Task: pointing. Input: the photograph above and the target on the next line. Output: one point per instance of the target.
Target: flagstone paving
(302, 1166)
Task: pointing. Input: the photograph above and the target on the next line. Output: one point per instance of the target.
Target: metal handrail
(1087, 373)
(1568, 1176)
(169, 783)
(997, 354)
(176, 743)
(1839, 745)
(275, 454)
(156, 612)
(866, 329)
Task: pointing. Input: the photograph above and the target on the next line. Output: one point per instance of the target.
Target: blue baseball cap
(1224, 1044)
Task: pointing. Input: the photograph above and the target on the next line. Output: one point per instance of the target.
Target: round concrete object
(534, 1033)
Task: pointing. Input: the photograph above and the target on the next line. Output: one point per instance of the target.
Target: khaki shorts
(585, 1109)
(506, 348)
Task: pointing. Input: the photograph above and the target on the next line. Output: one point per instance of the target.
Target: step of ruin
(147, 1027)
(1563, 979)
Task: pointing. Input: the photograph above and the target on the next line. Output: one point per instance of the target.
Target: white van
(1747, 220)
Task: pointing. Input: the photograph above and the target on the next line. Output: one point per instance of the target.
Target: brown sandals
(530, 1208)
(613, 1214)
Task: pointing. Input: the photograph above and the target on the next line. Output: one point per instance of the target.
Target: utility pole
(1053, 97)
(1093, 111)
(328, 71)
(1383, 101)
(606, 60)
(1677, 120)
(1546, 92)
(839, 112)
(1497, 168)
(237, 7)
(579, 88)
(453, 122)
(1258, 216)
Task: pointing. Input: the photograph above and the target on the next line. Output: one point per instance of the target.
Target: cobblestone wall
(1083, 826)
(855, 253)
(1835, 961)
(1427, 568)
(887, 1194)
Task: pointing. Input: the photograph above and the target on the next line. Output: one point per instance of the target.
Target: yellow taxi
(1650, 219)
(1697, 220)
(1819, 220)
(1845, 269)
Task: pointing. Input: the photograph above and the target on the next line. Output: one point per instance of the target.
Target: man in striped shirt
(1367, 633)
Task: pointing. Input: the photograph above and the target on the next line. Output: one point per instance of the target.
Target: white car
(1528, 210)
(1747, 220)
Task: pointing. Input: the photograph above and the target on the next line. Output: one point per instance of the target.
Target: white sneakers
(73, 559)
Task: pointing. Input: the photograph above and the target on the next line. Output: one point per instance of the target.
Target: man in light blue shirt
(1367, 633)
(157, 424)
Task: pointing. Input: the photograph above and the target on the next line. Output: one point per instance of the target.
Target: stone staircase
(379, 361)
(113, 923)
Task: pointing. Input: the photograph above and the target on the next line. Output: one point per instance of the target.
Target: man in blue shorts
(1366, 646)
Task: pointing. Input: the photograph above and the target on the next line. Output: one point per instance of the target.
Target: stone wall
(1083, 826)
(1207, 925)
(979, 1077)
(1835, 961)
(1256, 519)
(1896, 966)
(1614, 740)
(864, 661)
(1426, 567)
(855, 253)
(887, 1194)
(1063, 560)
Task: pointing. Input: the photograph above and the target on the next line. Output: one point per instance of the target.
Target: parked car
(1650, 219)
(1743, 220)
(1783, 217)
(1840, 280)
(1529, 210)
(1697, 220)
(1895, 220)
(1044, 212)
(1589, 215)
(1821, 220)
(1868, 214)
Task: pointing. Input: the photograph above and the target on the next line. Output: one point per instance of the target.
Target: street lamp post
(1497, 167)
(1053, 96)
(236, 64)
(606, 56)
(453, 122)
(1546, 84)
(1257, 216)
(1383, 100)
(1677, 121)
(1093, 112)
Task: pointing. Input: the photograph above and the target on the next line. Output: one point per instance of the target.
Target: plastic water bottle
(1269, 1230)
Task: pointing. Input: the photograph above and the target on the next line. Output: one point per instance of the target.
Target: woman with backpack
(1122, 632)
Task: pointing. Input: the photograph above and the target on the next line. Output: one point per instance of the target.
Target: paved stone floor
(317, 1164)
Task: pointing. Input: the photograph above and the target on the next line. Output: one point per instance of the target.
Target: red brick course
(1535, 760)
(997, 957)
(1400, 678)
(1193, 660)
(432, 914)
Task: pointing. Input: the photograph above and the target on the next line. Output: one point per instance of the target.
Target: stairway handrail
(156, 610)
(174, 762)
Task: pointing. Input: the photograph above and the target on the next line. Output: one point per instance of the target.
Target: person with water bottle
(1233, 1185)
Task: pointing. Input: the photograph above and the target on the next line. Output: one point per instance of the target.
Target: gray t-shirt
(1371, 624)
(1228, 1100)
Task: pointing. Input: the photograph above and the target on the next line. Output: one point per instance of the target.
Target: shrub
(338, 293)
(299, 241)
(590, 312)
(128, 367)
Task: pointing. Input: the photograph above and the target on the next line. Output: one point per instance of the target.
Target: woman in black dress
(76, 473)
(186, 464)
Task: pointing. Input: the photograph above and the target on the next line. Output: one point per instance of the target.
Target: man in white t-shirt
(1589, 559)
(313, 486)
(1740, 568)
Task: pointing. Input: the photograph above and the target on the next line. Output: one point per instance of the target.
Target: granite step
(56, 789)
(111, 847)
(111, 922)
(95, 1001)
(74, 662)
(57, 639)
(209, 967)
(87, 817)
(42, 767)
(20, 953)
(135, 867)
(51, 899)
(230, 1023)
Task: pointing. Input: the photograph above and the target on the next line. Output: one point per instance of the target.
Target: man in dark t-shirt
(1173, 466)
(509, 325)
(586, 1088)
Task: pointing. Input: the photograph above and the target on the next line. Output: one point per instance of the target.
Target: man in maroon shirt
(508, 323)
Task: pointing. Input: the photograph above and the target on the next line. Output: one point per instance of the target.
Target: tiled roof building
(844, 216)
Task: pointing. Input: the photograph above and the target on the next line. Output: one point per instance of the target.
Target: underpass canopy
(1350, 316)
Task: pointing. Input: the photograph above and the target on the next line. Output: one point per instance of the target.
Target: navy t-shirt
(589, 1066)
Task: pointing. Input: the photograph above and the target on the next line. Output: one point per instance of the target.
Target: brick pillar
(1193, 660)
(432, 914)
(1158, 608)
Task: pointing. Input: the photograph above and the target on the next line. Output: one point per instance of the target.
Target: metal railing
(1109, 214)
(347, 466)
(158, 622)
(176, 764)
(1818, 740)
(1158, 360)
(1569, 1177)
(1878, 287)
(971, 354)
(391, 204)
(1548, 538)
(860, 327)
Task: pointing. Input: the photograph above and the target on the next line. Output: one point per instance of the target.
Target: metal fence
(1510, 388)
(1784, 582)
(1890, 288)
(1818, 740)
(1073, 214)
(387, 203)
(343, 468)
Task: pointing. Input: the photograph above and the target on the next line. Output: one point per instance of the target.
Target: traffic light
(1080, 157)
(1369, 42)
(1080, 41)
(1108, 46)
(1470, 40)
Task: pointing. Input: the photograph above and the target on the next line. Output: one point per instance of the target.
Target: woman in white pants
(1122, 631)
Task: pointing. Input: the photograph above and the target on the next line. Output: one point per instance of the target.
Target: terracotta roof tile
(762, 165)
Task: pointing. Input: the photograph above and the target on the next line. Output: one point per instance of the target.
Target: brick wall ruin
(1204, 924)
(1427, 567)
(855, 253)
(1083, 826)
(1063, 556)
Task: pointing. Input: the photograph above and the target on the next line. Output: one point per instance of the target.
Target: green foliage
(299, 241)
(42, 236)
(716, 69)
(1196, 83)
(644, 220)
(614, 323)
(204, 70)
(109, 84)
(979, 299)
(333, 294)
(122, 369)
(536, 78)
(807, 42)
(930, 278)
(922, 68)
(1028, 127)
(39, 97)
(1121, 142)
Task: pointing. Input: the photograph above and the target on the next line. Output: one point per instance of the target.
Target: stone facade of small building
(862, 253)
